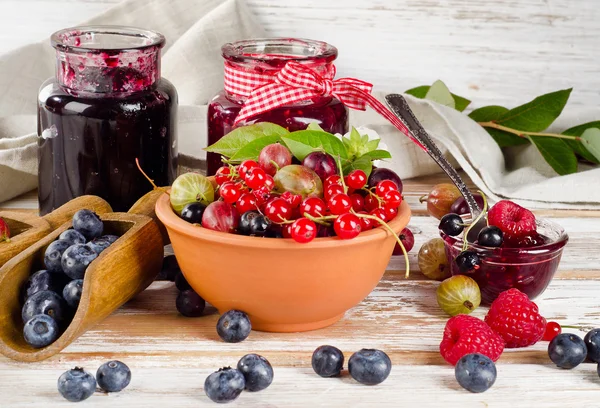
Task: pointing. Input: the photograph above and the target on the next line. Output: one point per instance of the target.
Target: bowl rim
(168, 217)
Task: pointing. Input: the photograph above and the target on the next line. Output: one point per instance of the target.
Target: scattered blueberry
(475, 372)
(567, 350)
(88, 224)
(73, 237)
(170, 269)
(192, 212)
(190, 304)
(44, 280)
(53, 255)
(369, 366)
(72, 292)
(76, 385)
(113, 376)
(451, 224)
(257, 372)
(490, 236)
(181, 283)
(328, 361)
(40, 331)
(76, 259)
(224, 385)
(234, 326)
(101, 243)
(592, 342)
(468, 261)
(45, 302)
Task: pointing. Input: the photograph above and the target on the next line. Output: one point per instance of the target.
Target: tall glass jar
(106, 107)
(266, 57)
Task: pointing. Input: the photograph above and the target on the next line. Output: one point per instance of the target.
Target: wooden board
(171, 355)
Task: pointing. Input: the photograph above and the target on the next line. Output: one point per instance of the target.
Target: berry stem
(580, 328)
(474, 222)
(154, 186)
(524, 134)
(423, 198)
(320, 220)
(339, 164)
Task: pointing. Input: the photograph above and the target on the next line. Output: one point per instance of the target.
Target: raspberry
(514, 220)
(467, 334)
(516, 319)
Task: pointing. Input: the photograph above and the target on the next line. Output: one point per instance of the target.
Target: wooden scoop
(121, 271)
(26, 229)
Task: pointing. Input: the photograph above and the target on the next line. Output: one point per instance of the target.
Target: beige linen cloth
(195, 30)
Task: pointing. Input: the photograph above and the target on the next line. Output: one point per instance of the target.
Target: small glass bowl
(528, 269)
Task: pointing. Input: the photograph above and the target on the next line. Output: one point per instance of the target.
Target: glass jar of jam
(266, 57)
(106, 107)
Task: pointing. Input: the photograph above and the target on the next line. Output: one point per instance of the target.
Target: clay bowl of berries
(294, 251)
(515, 250)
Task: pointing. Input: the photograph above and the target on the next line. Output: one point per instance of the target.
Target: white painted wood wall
(501, 51)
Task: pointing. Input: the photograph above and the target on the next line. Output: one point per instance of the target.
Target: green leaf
(229, 144)
(591, 140)
(491, 114)
(537, 115)
(251, 151)
(557, 153)
(439, 92)
(378, 155)
(362, 163)
(420, 92)
(314, 126)
(303, 142)
(373, 144)
(578, 146)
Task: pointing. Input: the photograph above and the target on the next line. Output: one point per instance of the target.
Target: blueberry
(192, 212)
(491, 236)
(181, 283)
(76, 259)
(40, 331)
(475, 372)
(44, 280)
(113, 376)
(328, 361)
(101, 243)
(76, 385)
(592, 342)
(190, 304)
(88, 224)
(73, 237)
(72, 292)
(53, 255)
(224, 385)
(170, 269)
(567, 350)
(45, 302)
(257, 372)
(468, 261)
(369, 366)
(451, 224)
(234, 326)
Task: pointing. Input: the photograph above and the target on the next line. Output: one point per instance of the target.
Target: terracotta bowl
(282, 285)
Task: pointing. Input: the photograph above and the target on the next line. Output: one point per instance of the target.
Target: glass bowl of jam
(529, 267)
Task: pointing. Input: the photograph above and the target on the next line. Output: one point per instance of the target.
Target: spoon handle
(400, 108)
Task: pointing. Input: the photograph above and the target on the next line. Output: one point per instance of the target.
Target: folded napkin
(195, 31)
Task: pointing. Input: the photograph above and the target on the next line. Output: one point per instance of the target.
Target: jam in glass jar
(266, 57)
(106, 107)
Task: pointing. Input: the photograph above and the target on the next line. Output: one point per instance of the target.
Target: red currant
(304, 230)
(287, 230)
(223, 175)
(392, 198)
(339, 204)
(230, 192)
(246, 202)
(335, 179)
(332, 190)
(262, 196)
(371, 203)
(278, 210)
(553, 329)
(384, 186)
(245, 167)
(379, 213)
(294, 200)
(358, 202)
(313, 206)
(347, 226)
(256, 178)
(356, 179)
(269, 183)
(390, 213)
(366, 223)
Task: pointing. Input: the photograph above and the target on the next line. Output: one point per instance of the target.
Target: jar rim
(66, 39)
(241, 50)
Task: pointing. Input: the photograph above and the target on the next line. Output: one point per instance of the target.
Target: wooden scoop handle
(65, 212)
(145, 206)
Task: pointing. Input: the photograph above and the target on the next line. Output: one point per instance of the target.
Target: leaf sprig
(527, 124)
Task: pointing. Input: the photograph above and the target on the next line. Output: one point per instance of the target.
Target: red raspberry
(516, 319)
(467, 334)
(514, 220)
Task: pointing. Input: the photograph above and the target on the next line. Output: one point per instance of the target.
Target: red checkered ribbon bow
(296, 82)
